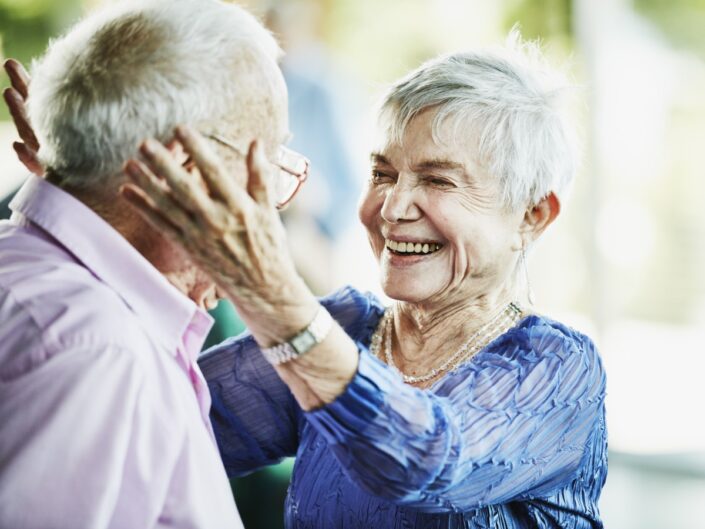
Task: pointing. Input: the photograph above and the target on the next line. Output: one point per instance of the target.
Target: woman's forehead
(422, 143)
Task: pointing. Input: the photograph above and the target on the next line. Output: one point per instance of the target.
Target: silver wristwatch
(303, 342)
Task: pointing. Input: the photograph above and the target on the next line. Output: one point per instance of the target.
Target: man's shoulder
(50, 303)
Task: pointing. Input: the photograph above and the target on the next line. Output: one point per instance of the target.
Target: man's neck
(156, 248)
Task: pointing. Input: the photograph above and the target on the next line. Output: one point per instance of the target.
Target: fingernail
(184, 132)
(11, 94)
(259, 151)
(149, 146)
(131, 169)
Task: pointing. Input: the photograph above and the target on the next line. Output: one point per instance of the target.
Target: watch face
(303, 342)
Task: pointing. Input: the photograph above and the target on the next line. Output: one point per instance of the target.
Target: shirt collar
(167, 312)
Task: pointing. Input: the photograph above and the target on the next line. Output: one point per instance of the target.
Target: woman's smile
(404, 252)
(411, 247)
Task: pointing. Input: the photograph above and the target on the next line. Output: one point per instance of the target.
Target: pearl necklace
(498, 325)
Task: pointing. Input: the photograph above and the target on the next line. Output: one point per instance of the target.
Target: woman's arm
(254, 414)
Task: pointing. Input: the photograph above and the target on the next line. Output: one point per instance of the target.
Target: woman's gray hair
(134, 71)
(514, 103)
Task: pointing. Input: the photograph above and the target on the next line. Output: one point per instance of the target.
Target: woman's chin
(408, 292)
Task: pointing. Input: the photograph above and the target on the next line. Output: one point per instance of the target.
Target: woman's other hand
(233, 234)
(16, 98)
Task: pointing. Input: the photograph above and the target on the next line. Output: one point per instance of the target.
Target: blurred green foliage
(27, 25)
(682, 21)
(540, 18)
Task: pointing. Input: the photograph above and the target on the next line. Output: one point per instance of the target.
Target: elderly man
(104, 411)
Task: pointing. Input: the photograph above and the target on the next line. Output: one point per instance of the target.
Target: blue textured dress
(514, 438)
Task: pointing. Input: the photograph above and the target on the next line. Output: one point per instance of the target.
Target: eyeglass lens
(294, 162)
(285, 185)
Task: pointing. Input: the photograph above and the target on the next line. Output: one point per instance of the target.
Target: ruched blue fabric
(514, 438)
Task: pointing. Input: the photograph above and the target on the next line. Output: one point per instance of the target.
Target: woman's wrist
(322, 374)
(279, 314)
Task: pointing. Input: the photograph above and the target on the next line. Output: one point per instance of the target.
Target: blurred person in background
(324, 119)
(454, 407)
(104, 410)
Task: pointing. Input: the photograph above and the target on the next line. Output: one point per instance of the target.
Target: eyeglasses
(293, 169)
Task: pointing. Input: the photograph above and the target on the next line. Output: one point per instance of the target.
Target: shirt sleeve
(253, 413)
(83, 444)
(513, 424)
(255, 417)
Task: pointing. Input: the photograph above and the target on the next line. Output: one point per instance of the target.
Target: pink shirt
(103, 409)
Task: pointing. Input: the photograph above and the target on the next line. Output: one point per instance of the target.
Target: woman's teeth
(412, 248)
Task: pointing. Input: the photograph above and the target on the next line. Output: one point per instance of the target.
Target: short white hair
(511, 99)
(136, 70)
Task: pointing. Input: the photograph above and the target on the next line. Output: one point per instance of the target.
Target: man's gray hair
(136, 70)
(511, 100)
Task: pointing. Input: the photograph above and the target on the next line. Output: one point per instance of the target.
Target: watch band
(302, 342)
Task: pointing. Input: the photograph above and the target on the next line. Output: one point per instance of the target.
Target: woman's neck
(427, 333)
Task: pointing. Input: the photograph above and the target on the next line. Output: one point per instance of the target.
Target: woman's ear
(539, 217)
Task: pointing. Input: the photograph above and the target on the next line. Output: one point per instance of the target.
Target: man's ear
(539, 217)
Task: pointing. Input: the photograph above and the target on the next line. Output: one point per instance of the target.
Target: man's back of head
(136, 70)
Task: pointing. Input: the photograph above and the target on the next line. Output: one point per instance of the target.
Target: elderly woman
(456, 406)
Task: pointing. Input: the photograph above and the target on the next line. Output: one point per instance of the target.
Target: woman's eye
(439, 182)
(380, 177)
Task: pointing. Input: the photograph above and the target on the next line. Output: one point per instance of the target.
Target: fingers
(19, 78)
(218, 182)
(257, 168)
(18, 110)
(150, 194)
(149, 210)
(181, 186)
(15, 98)
(28, 157)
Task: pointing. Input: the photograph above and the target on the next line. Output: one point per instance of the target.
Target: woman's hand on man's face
(16, 98)
(233, 234)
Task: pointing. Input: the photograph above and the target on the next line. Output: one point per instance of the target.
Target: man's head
(139, 69)
(136, 71)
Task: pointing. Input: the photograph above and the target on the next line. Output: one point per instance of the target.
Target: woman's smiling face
(435, 219)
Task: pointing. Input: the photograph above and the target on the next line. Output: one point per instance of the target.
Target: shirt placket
(189, 350)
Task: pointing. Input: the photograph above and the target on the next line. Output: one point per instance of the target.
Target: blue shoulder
(357, 312)
(571, 359)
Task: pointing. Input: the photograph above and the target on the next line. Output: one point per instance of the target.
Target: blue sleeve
(513, 424)
(253, 413)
